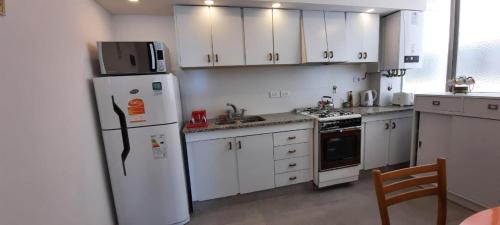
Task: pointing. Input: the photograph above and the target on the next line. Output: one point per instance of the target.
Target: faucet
(235, 113)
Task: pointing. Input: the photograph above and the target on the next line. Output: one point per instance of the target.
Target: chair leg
(382, 206)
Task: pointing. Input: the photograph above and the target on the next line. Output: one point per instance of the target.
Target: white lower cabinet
(433, 137)
(213, 168)
(227, 166)
(387, 142)
(255, 162)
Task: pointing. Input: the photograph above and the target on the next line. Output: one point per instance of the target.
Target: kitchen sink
(225, 122)
(251, 119)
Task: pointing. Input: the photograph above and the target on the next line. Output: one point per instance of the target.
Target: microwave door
(128, 57)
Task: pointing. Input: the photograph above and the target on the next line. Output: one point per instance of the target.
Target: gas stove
(324, 115)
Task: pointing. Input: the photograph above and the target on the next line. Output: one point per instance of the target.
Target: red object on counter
(198, 119)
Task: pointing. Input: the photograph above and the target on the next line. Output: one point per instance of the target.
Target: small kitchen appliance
(132, 58)
(402, 99)
(337, 146)
(198, 119)
(368, 97)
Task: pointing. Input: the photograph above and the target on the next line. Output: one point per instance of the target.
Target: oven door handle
(340, 130)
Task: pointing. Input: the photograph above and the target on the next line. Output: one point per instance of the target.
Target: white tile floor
(347, 204)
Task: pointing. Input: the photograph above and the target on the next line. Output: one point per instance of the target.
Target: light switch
(285, 93)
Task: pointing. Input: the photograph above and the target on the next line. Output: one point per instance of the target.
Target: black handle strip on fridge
(123, 128)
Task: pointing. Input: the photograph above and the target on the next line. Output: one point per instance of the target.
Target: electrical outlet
(274, 94)
(285, 93)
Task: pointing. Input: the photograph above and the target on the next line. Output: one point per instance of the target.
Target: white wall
(247, 87)
(52, 169)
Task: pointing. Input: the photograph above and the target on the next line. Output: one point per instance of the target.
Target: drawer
(484, 108)
(292, 178)
(439, 104)
(293, 164)
(292, 137)
(292, 151)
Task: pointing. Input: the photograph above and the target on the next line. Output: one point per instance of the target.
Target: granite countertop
(377, 109)
(271, 119)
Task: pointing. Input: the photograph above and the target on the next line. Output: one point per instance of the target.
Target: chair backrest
(404, 182)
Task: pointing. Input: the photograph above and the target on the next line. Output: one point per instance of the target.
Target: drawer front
(484, 108)
(292, 178)
(292, 137)
(438, 104)
(292, 151)
(293, 164)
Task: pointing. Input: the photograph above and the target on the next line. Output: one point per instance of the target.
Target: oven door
(340, 148)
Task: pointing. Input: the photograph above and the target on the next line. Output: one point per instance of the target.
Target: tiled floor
(347, 204)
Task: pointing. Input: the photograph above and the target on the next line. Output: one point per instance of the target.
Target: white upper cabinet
(286, 26)
(314, 35)
(194, 40)
(209, 36)
(258, 26)
(336, 36)
(324, 36)
(362, 37)
(227, 35)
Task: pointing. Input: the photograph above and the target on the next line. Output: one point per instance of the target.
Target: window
(479, 44)
(432, 76)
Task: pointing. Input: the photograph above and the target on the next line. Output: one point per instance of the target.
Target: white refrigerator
(140, 121)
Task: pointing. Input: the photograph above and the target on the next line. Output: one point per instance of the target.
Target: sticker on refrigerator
(136, 111)
(159, 146)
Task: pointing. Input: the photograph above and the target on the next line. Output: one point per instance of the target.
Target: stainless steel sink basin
(225, 122)
(252, 119)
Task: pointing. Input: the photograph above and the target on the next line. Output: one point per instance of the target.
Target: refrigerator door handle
(124, 130)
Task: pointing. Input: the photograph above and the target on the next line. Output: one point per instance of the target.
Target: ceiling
(164, 7)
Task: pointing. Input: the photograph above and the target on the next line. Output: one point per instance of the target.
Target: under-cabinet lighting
(133, 0)
(276, 5)
(370, 10)
(209, 2)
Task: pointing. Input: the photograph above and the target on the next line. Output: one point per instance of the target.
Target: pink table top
(486, 217)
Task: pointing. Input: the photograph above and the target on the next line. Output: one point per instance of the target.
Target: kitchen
(283, 134)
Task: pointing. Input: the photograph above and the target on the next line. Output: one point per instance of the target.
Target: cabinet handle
(270, 56)
(230, 145)
(292, 151)
(277, 57)
(365, 55)
(209, 60)
(292, 138)
(331, 54)
(216, 58)
(360, 55)
(393, 125)
(492, 107)
(387, 126)
(325, 54)
(239, 144)
(292, 164)
(436, 103)
(419, 144)
(293, 178)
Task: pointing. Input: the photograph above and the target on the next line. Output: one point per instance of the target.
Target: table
(486, 217)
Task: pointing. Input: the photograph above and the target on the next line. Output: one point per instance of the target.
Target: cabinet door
(433, 137)
(473, 161)
(376, 144)
(255, 162)
(286, 28)
(194, 40)
(354, 35)
(315, 42)
(400, 141)
(371, 30)
(227, 35)
(213, 169)
(336, 33)
(258, 27)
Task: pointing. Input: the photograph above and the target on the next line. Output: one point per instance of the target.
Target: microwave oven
(125, 58)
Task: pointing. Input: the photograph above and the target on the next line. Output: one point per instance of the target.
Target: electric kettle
(368, 97)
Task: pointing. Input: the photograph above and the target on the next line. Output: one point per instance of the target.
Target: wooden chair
(440, 190)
